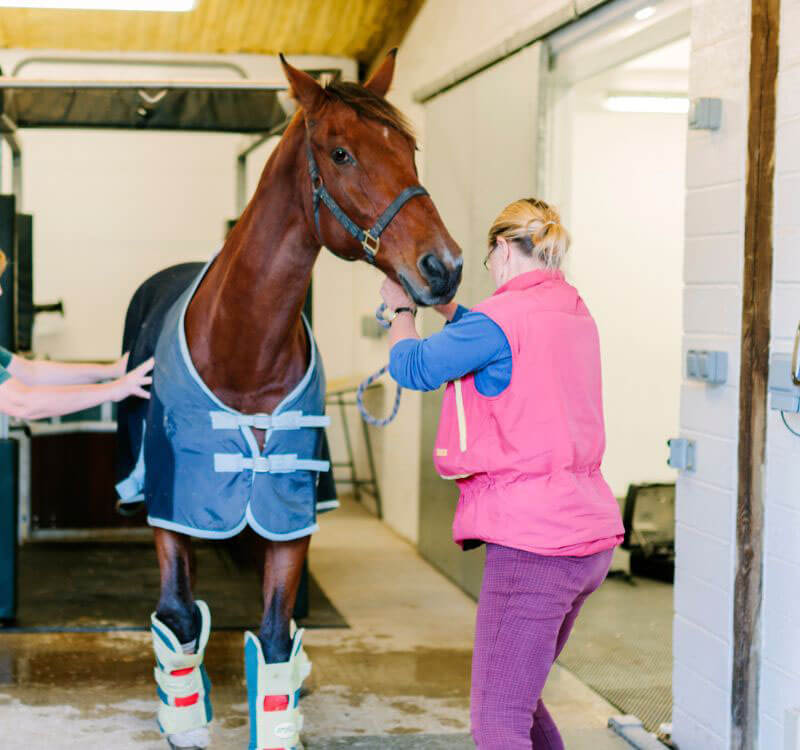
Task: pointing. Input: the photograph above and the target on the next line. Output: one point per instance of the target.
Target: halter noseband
(370, 239)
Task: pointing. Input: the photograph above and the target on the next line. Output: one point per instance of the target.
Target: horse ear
(381, 79)
(308, 93)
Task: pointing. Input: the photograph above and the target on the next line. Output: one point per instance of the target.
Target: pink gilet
(527, 461)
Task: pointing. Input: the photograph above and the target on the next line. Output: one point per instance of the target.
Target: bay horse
(345, 162)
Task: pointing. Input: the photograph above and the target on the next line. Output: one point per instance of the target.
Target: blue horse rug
(198, 465)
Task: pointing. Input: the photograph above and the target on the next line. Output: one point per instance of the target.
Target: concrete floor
(397, 678)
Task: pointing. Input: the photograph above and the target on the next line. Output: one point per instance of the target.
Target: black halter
(370, 239)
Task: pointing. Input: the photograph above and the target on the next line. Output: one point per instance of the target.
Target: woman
(522, 433)
(31, 389)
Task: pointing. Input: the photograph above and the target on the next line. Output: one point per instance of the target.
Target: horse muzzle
(442, 282)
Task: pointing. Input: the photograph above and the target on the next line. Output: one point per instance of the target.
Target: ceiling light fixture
(174, 6)
(647, 103)
(644, 13)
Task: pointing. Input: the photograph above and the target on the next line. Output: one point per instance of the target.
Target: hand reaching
(118, 369)
(133, 383)
(395, 296)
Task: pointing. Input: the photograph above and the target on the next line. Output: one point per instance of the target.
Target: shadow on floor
(100, 586)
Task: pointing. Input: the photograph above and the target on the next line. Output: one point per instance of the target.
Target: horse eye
(340, 156)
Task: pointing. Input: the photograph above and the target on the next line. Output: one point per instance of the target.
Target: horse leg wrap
(305, 662)
(273, 695)
(181, 681)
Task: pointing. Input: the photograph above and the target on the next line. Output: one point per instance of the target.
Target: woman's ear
(504, 248)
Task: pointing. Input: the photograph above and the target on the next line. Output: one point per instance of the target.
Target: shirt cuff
(459, 313)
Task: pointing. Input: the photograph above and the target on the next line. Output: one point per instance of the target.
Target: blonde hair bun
(535, 227)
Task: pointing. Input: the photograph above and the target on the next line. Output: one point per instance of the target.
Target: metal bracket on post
(681, 454)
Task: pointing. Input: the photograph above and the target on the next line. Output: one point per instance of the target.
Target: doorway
(615, 164)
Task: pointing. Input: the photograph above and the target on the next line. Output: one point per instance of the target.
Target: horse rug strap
(202, 471)
(273, 695)
(182, 684)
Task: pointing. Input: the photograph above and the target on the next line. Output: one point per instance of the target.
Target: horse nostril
(433, 270)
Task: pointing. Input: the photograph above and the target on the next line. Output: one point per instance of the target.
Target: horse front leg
(275, 662)
(180, 628)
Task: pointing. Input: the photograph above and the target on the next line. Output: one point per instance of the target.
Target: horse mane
(371, 106)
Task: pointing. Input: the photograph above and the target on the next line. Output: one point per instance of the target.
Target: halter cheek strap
(370, 239)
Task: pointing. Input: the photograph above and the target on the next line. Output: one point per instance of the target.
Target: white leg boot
(305, 662)
(273, 695)
(184, 709)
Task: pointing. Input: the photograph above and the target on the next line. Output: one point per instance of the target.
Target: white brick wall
(706, 497)
(780, 667)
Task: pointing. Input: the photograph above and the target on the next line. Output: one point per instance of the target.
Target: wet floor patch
(93, 691)
(415, 742)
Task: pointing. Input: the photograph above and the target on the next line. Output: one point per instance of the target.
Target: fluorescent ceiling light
(671, 105)
(144, 5)
(644, 13)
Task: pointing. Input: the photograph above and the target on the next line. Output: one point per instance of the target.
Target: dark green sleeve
(5, 361)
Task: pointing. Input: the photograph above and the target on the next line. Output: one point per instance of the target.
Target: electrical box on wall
(705, 113)
(784, 392)
(681, 454)
(710, 367)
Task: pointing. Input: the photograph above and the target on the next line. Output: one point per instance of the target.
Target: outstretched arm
(469, 343)
(43, 372)
(24, 401)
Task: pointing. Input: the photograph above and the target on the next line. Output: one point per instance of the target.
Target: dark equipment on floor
(649, 518)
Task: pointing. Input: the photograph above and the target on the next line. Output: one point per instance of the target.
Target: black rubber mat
(621, 647)
(97, 587)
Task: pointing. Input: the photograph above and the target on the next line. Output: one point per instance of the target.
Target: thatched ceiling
(359, 29)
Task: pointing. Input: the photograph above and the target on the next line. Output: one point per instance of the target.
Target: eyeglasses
(488, 255)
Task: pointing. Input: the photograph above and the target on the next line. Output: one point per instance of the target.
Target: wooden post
(756, 298)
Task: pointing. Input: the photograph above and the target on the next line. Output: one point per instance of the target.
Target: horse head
(363, 200)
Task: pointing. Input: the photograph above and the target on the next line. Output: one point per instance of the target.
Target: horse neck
(244, 327)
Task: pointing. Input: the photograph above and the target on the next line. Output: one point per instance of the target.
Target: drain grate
(621, 647)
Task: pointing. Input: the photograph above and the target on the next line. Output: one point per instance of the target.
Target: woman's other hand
(395, 296)
(134, 382)
(118, 368)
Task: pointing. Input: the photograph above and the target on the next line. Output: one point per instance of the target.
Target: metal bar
(121, 61)
(258, 140)
(241, 184)
(372, 473)
(241, 162)
(3, 426)
(16, 169)
(349, 445)
(8, 82)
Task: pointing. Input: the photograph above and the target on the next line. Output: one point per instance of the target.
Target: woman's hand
(133, 383)
(395, 296)
(118, 368)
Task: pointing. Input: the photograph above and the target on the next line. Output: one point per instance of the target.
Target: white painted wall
(780, 623)
(706, 498)
(626, 220)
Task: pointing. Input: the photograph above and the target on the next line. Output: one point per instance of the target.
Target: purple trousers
(527, 607)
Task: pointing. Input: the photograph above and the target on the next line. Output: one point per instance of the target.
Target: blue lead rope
(365, 415)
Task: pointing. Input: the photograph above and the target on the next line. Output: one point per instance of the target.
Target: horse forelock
(370, 106)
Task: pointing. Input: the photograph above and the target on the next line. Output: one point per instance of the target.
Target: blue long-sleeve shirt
(471, 342)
